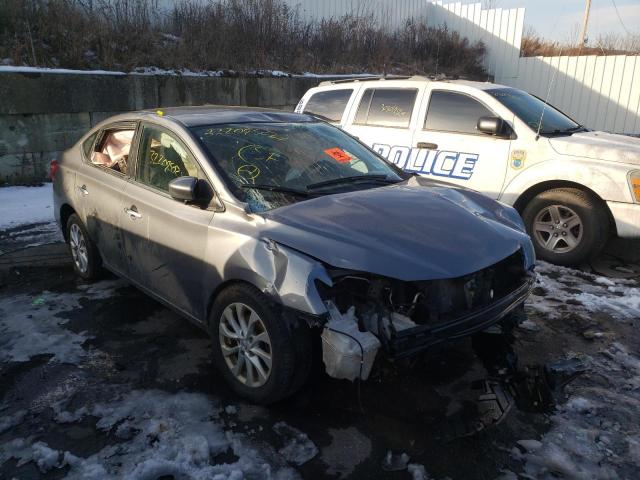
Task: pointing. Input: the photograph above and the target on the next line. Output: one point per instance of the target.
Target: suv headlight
(634, 184)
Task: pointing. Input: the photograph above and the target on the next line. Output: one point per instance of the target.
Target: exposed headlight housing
(634, 184)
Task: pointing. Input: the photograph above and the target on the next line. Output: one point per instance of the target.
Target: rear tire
(261, 350)
(86, 259)
(568, 226)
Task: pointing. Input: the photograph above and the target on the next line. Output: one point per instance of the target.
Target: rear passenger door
(100, 183)
(456, 151)
(165, 240)
(384, 119)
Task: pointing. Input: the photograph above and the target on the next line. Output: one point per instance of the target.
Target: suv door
(164, 239)
(384, 119)
(457, 151)
(100, 184)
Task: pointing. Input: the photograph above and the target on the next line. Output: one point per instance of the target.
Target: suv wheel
(567, 225)
(86, 260)
(262, 353)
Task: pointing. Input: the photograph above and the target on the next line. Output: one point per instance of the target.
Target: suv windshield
(529, 109)
(269, 165)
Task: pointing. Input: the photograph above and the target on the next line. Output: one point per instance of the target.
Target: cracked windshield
(269, 165)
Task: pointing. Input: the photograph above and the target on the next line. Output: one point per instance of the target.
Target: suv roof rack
(424, 78)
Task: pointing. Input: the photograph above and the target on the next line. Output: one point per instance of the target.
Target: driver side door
(164, 239)
(454, 150)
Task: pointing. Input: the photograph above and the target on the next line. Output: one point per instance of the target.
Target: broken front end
(409, 317)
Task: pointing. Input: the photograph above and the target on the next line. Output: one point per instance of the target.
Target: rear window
(454, 112)
(386, 107)
(329, 105)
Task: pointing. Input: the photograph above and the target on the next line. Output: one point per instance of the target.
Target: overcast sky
(562, 19)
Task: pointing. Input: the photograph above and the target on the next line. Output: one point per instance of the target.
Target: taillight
(53, 169)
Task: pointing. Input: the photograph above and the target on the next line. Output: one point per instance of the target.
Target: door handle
(427, 145)
(83, 190)
(132, 212)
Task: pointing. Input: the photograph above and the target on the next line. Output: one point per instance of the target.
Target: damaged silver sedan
(275, 230)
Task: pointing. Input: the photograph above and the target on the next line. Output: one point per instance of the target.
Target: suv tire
(86, 259)
(261, 350)
(568, 226)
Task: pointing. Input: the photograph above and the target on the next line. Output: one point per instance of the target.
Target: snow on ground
(26, 205)
(185, 72)
(564, 289)
(27, 218)
(159, 434)
(596, 433)
(34, 326)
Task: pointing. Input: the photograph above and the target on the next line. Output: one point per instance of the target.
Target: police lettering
(441, 163)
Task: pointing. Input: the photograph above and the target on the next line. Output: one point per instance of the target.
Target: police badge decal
(517, 159)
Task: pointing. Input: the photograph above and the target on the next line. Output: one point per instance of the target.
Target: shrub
(240, 35)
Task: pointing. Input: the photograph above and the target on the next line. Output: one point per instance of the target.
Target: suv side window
(454, 112)
(162, 157)
(329, 105)
(387, 107)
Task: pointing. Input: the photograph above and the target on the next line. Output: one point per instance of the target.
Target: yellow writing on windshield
(246, 131)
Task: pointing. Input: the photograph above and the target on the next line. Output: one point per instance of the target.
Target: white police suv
(573, 187)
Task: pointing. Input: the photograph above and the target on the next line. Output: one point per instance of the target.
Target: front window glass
(329, 105)
(163, 158)
(454, 112)
(269, 165)
(530, 109)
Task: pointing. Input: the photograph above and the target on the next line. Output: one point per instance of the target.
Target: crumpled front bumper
(414, 340)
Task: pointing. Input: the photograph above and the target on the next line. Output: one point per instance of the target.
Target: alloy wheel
(78, 246)
(245, 345)
(558, 228)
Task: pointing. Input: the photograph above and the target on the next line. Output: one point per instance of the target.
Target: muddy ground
(100, 381)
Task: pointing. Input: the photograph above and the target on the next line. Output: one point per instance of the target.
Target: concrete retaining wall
(42, 114)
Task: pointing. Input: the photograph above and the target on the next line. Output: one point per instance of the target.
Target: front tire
(263, 354)
(567, 226)
(86, 259)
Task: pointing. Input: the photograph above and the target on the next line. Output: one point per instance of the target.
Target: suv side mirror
(183, 188)
(494, 126)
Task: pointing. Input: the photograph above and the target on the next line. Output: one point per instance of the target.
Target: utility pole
(585, 25)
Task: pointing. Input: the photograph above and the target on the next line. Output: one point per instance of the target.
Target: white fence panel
(600, 92)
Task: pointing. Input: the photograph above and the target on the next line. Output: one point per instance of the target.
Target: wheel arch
(66, 211)
(530, 193)
(223, 286)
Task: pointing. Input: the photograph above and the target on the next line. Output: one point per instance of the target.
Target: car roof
(416, 78)
(220, 114)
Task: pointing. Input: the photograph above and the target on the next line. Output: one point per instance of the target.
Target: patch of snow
(26, 205)
(417, 471)
(32, 326)
(16, 69)
(10, 420)
(159, 433)
(594, 435)
(298, 448)
(568, 290)
(25, 451)
(342, 461)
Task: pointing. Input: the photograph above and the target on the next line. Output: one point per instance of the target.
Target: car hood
(416, 230)
(599, 146)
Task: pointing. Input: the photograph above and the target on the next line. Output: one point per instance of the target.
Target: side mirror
(493, 126)
(183, 188)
